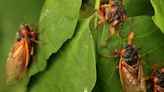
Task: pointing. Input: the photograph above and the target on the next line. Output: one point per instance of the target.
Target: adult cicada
(20, 53)
(130, 67)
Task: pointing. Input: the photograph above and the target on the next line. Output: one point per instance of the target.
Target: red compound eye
(24, 31)
(156, 80)
(113, 9)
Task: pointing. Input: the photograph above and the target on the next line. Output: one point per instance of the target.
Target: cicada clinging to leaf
(20, 53)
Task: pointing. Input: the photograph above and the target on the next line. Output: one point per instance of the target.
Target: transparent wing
(15, 62)
(128, 82)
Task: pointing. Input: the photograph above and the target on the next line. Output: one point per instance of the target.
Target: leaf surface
(158, 6)
(73, 68)
(58, 20)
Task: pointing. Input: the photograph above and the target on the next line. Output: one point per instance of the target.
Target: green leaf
(86, 9)
(147, 37)
(158, 6)
(71, 69)
(138, 7)
(58, 20)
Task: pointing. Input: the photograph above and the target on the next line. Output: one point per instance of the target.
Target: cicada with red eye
(20, 53)
(157, 79)
(130, 67)
(115, 13)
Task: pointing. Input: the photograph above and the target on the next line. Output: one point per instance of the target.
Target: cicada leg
(102, 21)
(36, 41)
(32, 54)
(112, 27)
(158, 89)
(100, 13)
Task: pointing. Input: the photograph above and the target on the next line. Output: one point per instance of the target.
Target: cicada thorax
(159, 81)
(130, 70)
(19, 55)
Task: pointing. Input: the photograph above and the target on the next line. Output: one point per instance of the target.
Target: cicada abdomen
(130, 68)
(20, 53)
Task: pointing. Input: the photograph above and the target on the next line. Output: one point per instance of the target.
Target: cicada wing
(141, 83)
(125, 82)
(128, 82)
(15, 63)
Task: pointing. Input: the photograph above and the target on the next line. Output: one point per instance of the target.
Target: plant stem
(97, 4)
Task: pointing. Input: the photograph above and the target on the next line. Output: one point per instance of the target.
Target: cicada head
(25, 29)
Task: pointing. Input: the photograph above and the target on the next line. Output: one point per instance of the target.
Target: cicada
(158, 79)
(20, 53)
(115, 13)
(130, 68)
